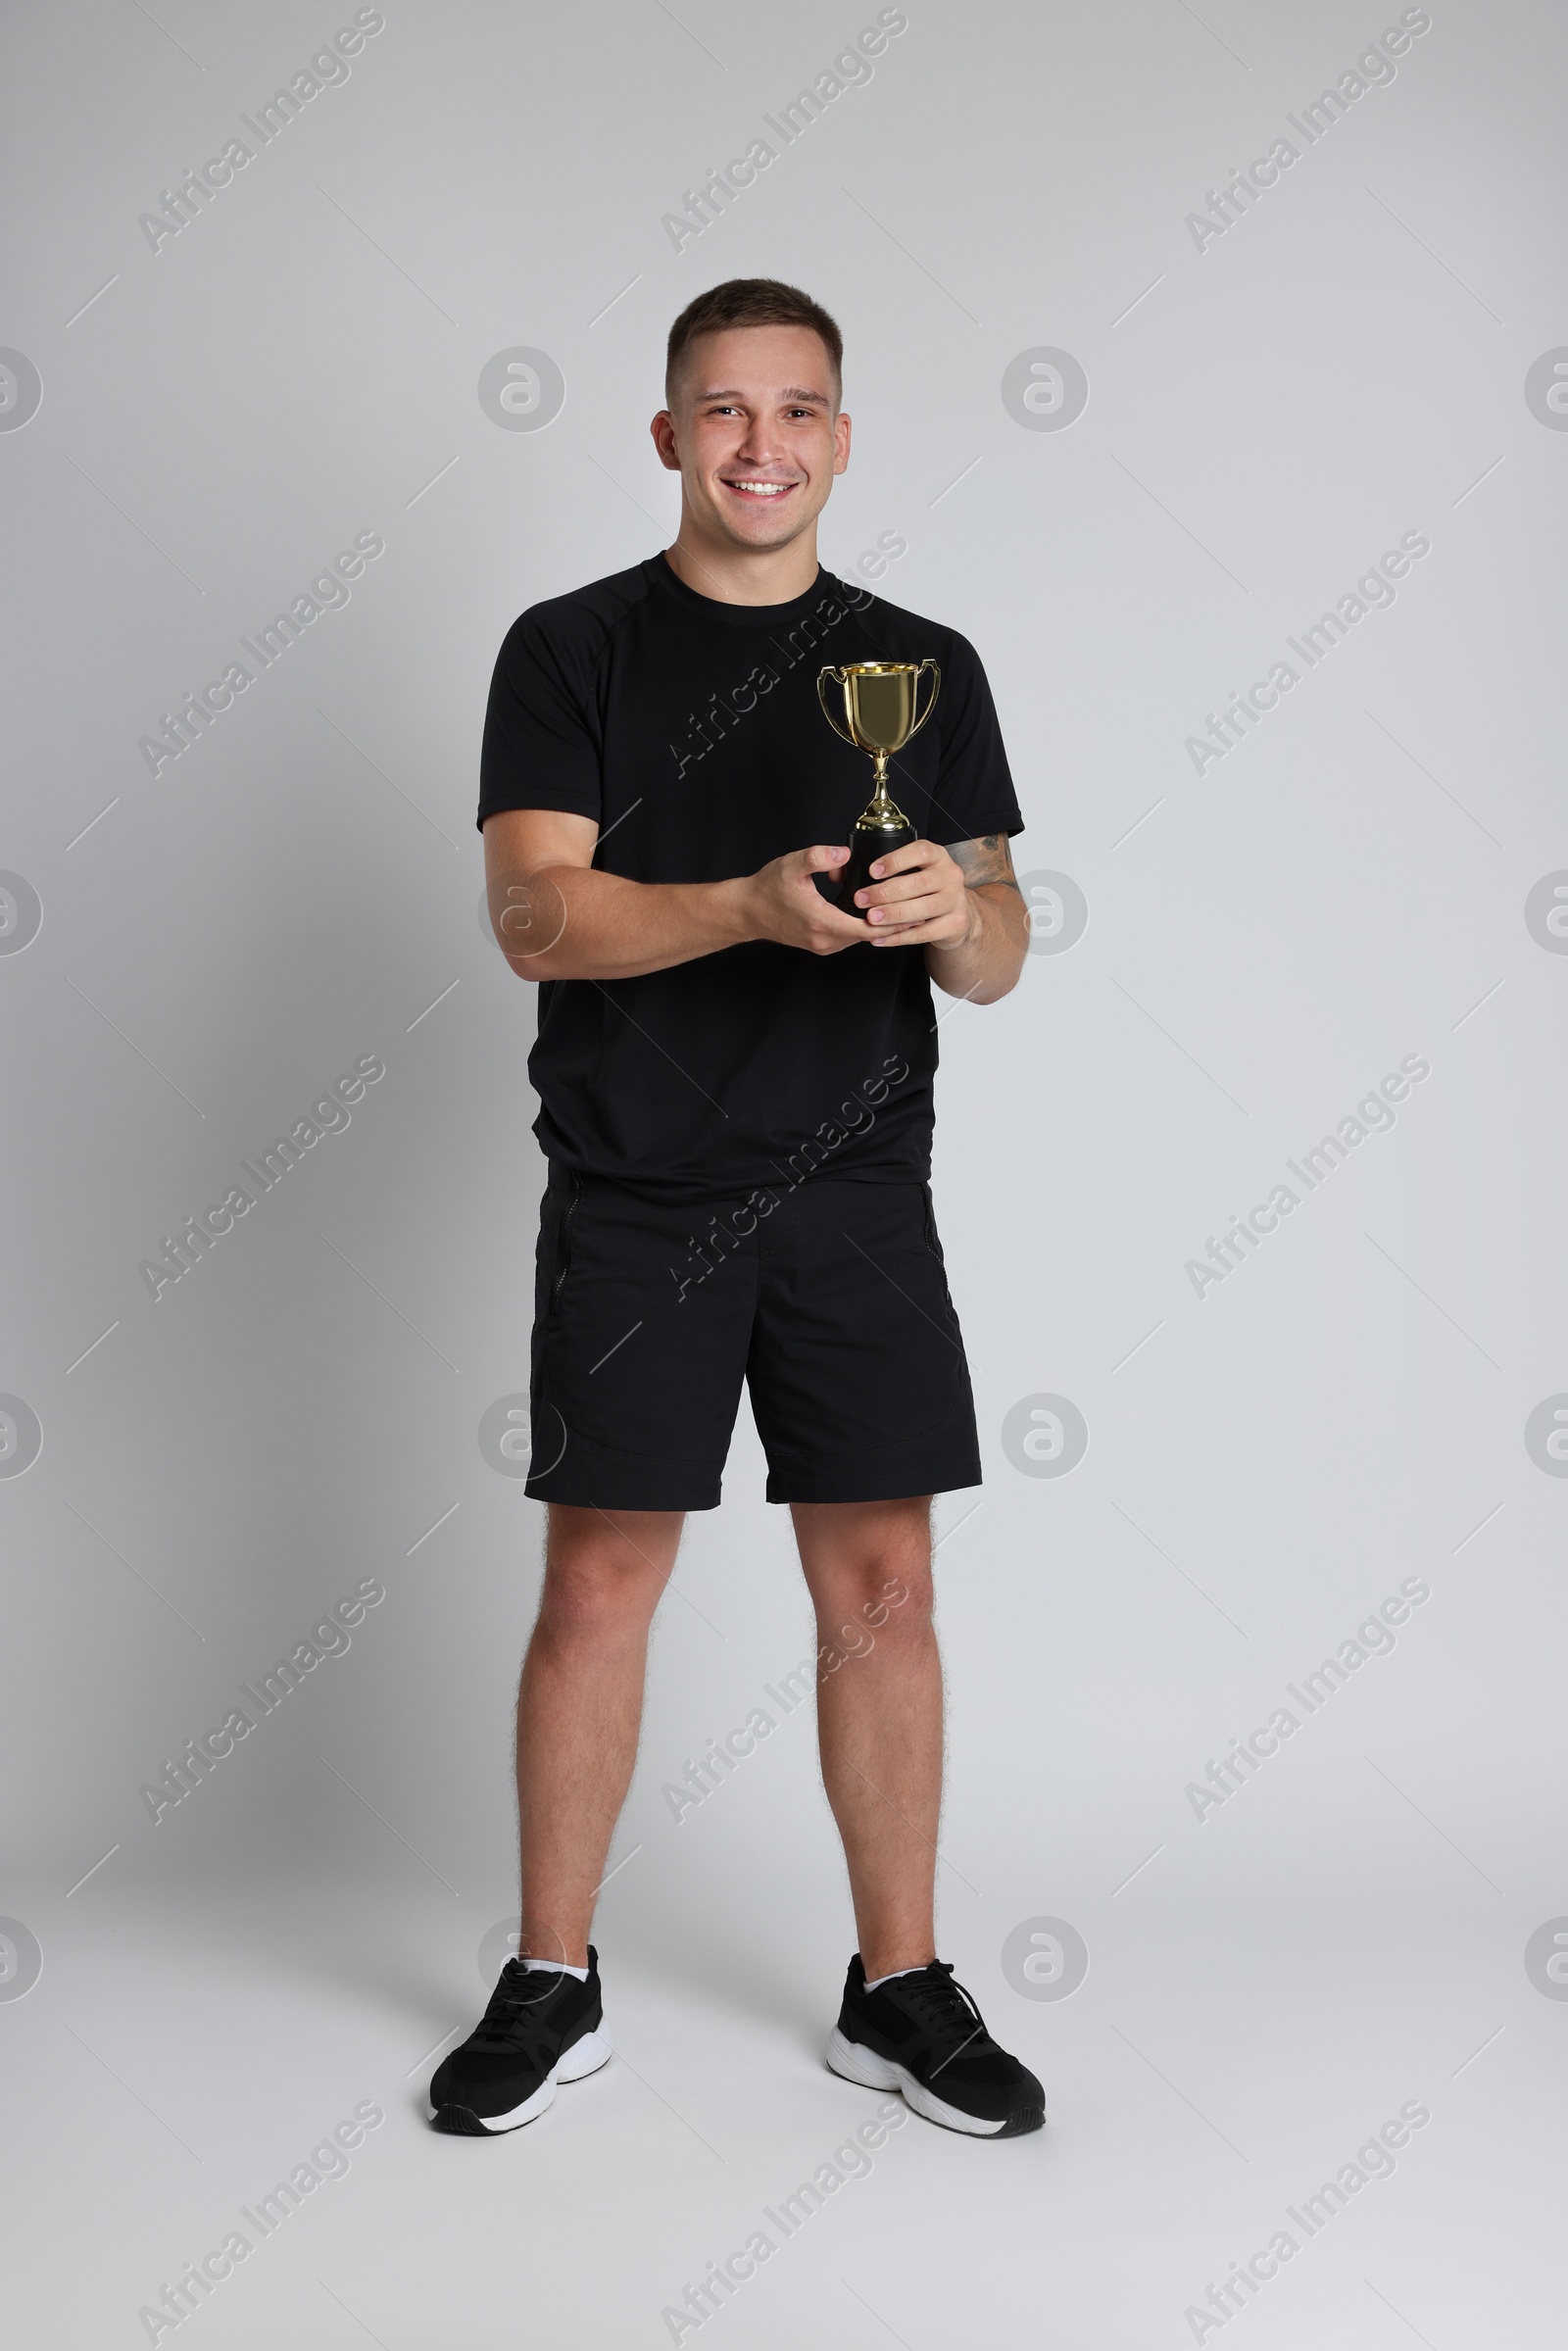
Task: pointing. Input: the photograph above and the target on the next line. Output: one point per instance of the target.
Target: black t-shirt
(690, 731)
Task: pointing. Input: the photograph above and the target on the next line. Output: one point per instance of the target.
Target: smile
(762, 489)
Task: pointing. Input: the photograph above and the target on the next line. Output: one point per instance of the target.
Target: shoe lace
(513, 2015)
(947, 2011)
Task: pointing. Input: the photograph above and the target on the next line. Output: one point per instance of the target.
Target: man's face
(755, 406)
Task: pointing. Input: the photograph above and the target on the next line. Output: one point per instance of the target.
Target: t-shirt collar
(666, 581)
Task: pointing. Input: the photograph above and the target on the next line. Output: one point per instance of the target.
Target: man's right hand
(782, 903)
(558, 917)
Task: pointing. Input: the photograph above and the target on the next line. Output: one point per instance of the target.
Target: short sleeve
(973, 793)
(542, 735)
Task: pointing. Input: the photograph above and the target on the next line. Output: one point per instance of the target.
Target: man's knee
(896, 1598)
(585, 1598)
(881, 1595)
(601, 1578)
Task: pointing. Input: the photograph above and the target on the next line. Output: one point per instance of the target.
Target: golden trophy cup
(878, 699)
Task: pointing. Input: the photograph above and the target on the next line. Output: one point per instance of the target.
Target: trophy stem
(881, 827)
(882, 809)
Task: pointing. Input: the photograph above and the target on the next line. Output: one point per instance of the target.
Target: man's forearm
(572, 922)
(986, 961)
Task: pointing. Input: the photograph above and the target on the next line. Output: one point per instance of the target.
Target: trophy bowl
(879, 704)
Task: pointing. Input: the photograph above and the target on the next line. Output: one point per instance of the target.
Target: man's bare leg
(879, 1713)
(579, 1708)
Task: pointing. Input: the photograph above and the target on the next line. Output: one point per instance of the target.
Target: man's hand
(918, 898)
(962, 905)
(781, 902)
(558, 917)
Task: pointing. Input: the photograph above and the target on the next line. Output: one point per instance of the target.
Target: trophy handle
(936, 688)
(837, 676)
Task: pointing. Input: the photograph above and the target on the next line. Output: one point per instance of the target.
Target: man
(735, 1078)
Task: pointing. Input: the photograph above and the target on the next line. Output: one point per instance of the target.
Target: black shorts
(830, 1300)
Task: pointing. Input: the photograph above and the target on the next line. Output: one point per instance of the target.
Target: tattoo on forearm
(987, 860)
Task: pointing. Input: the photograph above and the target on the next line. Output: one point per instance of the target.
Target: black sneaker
(541, 2027)
(922, 2034)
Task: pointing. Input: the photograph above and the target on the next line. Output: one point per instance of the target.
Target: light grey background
(1265, 1463)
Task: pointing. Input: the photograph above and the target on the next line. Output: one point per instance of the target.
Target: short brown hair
(752, 302)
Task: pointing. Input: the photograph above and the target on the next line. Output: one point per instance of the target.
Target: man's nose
(758, 445)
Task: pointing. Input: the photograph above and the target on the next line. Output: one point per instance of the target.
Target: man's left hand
(917, 898)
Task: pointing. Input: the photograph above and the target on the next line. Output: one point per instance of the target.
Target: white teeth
(762, 489)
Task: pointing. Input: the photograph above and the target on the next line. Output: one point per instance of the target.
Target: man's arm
(962, 904)
(557, 918)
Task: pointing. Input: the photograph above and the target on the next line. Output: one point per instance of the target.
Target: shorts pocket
(561, 1263)
(932, 1242)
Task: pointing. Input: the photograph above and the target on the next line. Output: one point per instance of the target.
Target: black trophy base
(867, 843)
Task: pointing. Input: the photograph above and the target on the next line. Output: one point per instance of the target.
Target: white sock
(556, 1967)
(874, 1982)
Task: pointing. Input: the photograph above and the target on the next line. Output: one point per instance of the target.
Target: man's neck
(745, 575)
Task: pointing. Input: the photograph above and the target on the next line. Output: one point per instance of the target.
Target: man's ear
(662, 430)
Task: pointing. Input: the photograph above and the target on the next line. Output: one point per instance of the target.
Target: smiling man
(735, 1084)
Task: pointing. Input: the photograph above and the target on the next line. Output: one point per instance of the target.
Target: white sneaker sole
(857, 2062)
(585, 2056)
